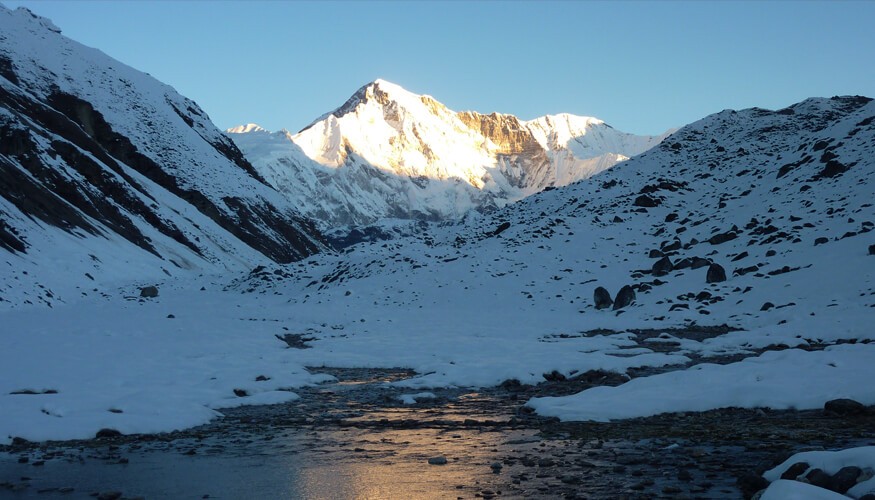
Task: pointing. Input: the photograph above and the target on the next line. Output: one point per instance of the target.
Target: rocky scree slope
(106, 173)
(389, 153)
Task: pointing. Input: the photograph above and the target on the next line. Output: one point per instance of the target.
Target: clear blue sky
(643, 67)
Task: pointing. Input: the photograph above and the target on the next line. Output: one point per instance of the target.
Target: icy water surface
(355, 439)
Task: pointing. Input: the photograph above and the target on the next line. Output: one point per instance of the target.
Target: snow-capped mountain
(389, 153)
(106, 173)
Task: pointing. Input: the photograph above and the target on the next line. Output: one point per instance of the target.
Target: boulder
(107, 433)
(662, 267)
(795, 471)
(645, 201)
(844, 407)
(716, 274)
(625, 296)
(750, 484)
(602, 298)
(871, 249)
(699, 262)
(149, 292)
(719, 238)
(845, 479)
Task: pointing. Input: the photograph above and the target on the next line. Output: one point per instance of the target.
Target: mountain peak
(245, 129)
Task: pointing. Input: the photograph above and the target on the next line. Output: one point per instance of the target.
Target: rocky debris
(662, 267)
(554, 376)
(625, 296)
(295, 340)
(439, 460)
(240, 393)
(766, 306)
(602, 298)
(149, 292)
(871, 249)
(716, 274)
(821, 240)
(844, 407)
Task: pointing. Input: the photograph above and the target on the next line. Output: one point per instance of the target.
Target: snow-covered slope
(781, 200)
(390, 153)
(106, 173)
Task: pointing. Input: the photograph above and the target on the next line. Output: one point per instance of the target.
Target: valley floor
(177, 377)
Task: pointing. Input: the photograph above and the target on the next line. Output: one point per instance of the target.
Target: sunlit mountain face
(387, 152)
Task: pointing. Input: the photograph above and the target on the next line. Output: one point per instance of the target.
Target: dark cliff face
(95, 149)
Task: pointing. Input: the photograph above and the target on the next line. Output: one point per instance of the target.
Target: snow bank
(778, 379)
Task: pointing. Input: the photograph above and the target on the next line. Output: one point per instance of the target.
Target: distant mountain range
(389, 153)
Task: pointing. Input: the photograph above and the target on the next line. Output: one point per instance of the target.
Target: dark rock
(766, 306)
(109, 495)
(645, 201)
(844, 407)
(662, 267)
(625, 296)
(819, 478)
(771, 253)
(262, 378)
(149, 292)
(739, 256)
(618, 219)
(602, 298)
(871, 249)
(240, 393)
(683, 264)
(719, 238)
(751, 483)
(107, 433)
(437, 461)
(655, 254)
(501, 228)
(716, 274)
(699, 262)
(795, 470)
(845, 479)
(554, 376)
(821, 240)
(671, 247)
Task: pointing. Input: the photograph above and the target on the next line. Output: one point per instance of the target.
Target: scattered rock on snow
(716, 274)
(625, 296)
(662, 267)
(149, 292)
(602, 298)
(871, 249)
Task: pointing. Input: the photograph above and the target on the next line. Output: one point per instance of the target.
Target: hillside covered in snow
(107, 174)
(389, 153)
